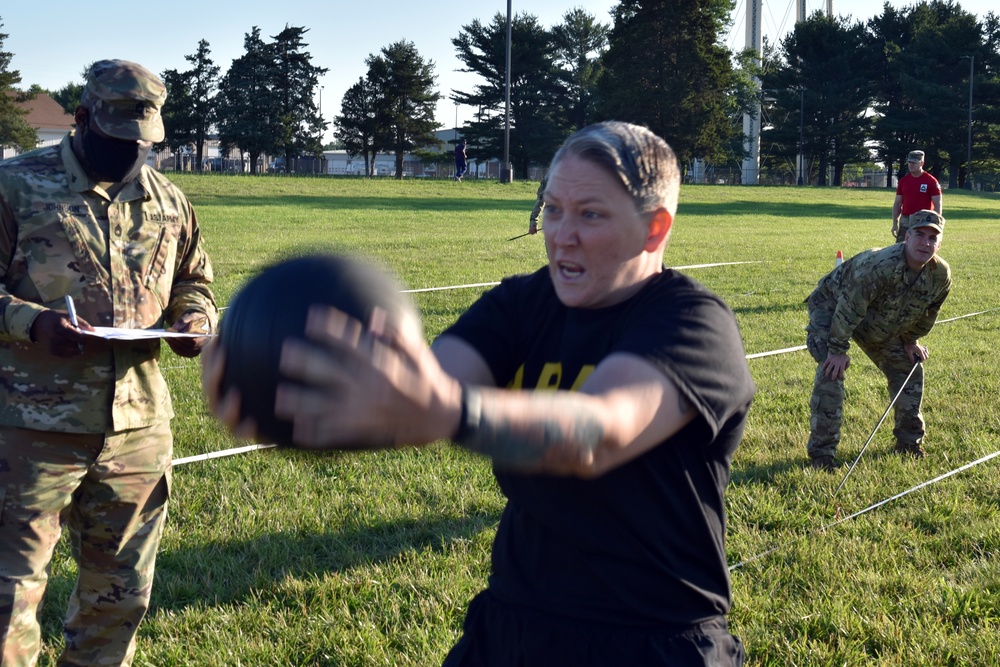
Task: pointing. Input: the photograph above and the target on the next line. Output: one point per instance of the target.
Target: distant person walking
(884, 300)
(461, 166)
(916, 191)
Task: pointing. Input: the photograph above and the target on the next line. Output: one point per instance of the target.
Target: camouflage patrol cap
(125, 99)
(927, 218)
(915, 156)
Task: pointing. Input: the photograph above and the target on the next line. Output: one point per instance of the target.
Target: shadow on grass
(791, 209)
(765, 474)
(306, 202)
(236, 571)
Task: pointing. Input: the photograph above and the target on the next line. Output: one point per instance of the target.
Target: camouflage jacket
(874, 298)
(135, 261)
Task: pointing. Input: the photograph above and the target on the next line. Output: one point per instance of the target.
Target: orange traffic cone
(840, 259)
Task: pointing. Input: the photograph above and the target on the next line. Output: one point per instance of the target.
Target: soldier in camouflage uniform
(885, 300)
(85, 422)
(539, 205)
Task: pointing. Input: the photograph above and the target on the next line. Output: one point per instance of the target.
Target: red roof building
(49, 120)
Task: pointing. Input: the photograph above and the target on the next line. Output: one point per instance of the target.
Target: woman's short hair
(644, 162)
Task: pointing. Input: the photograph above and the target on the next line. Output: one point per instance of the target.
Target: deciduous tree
(403, 84)
(666, 69)
(295, 80)
(580, 42)
(357, 126)
(247, 105)
(825, 72)
(69, 95)
(933, 80)
(538, 99)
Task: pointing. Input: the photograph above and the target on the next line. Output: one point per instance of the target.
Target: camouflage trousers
(904, 224)
(110, 491)
(536, 210)
(826, 406)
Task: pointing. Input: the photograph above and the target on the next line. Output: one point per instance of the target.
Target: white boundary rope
(438, 289)
(689, 266)
(773, 352)
(219, 454)
(758, 355)
(875, 430)
(962, 317)
(869, 508)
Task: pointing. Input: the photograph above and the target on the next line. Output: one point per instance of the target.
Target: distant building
(50, 121)
(339, 163)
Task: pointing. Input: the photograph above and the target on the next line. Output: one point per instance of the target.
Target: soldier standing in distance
(461, 166)
(916, 191)
(539, 205)
(85, 422)
(885, 300)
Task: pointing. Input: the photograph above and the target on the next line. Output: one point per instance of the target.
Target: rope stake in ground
(521, 236)
(875, 430)
(868, 509)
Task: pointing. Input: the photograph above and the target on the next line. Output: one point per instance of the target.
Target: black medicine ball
(273, 306)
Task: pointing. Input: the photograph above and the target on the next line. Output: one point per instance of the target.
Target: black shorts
(497, 634)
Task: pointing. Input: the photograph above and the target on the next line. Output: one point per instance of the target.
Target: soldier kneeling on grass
(885, 300)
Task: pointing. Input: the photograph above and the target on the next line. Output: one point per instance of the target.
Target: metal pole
(802, 140)
(320, 160)
(507, 176)
(968, 176)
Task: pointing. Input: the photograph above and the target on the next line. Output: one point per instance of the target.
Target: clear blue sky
(52, 40)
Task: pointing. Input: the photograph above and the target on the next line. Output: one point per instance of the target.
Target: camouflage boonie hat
(915, 156)
(125, 99)
(927, 218)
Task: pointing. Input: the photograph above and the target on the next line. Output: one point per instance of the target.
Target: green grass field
(289, 558)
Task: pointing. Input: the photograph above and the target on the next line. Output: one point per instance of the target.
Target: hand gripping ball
(273, 306)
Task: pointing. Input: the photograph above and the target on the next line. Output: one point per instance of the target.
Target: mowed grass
(290, 558)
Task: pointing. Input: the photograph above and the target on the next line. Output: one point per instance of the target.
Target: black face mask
(113, 160)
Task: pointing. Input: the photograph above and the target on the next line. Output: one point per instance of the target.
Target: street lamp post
(802, 139)
(968, 175)
(506, 174)
(320, 161)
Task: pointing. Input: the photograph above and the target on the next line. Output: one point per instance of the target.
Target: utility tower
(751, 121)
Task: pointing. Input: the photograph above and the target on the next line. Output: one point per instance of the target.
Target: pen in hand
(72, 311)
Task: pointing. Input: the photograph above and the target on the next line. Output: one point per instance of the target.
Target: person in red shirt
(916, 191)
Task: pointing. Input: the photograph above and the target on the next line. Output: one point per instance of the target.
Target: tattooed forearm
(573, 436)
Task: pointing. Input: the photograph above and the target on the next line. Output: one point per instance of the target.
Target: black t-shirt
(642, 545)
